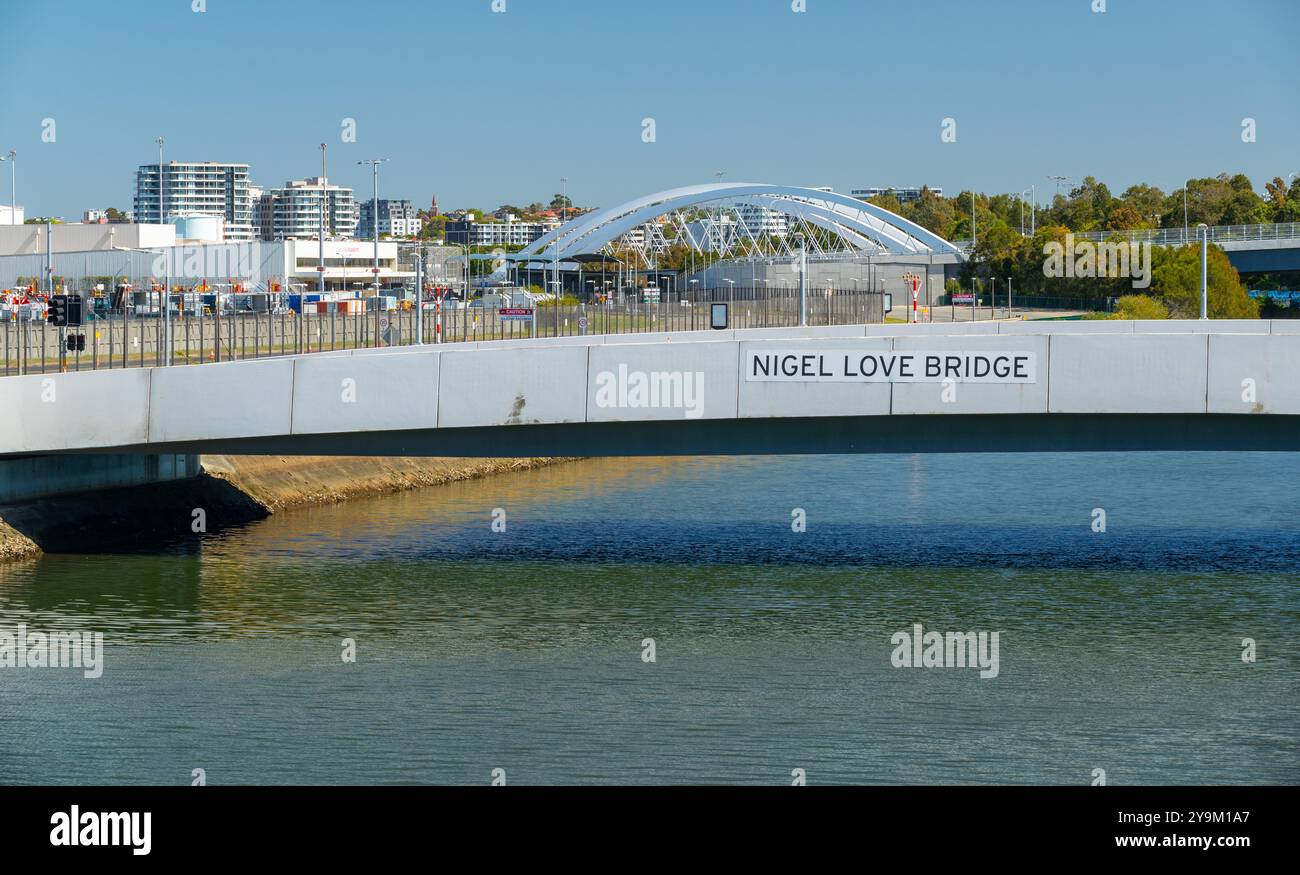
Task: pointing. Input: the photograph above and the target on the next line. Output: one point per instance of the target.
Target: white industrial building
(142, 254)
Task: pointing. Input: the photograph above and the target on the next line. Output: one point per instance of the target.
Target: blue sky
(483, 108)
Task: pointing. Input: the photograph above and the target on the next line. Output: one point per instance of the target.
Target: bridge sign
(896, 366)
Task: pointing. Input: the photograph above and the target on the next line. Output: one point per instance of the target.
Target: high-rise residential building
(497, 233)
(293, 211)
(396, 219)
(186, 188)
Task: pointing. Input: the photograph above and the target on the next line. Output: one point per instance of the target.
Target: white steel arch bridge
(736, 220)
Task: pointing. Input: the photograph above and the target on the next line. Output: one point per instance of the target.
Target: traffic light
(74, 309)
(58, 311)
(76, 343)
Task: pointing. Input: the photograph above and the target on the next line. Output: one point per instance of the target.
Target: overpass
(1250, 248)
(964, 387)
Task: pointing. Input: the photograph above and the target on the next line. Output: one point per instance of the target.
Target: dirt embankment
(278, 482)
(14, 544)
(233, 490)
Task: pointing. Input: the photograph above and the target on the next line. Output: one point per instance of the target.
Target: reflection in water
(1118, 650)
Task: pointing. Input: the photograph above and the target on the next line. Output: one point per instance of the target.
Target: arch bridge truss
(735, 220)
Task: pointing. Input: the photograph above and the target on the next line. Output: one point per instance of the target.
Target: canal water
(529, 650)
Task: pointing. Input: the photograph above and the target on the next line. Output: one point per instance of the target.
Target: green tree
(1139, 307)
(934, 213)
(1146, 200)
(1176, 280)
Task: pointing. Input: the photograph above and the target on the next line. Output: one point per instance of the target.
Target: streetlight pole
(161, 182)
(320, 265)
(374, 214)
(12, 158)
(803, 282)
(1205, 275)
(166, 291)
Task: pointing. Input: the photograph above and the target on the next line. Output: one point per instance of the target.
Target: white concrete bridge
(976, 387)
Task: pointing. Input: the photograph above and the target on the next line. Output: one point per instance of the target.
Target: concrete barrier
(512, 387)
(1200, 326)
(1249, 374)
(917, 398)
(783, 399)
(634, 382)
(86, 410)
(231, 399)
(365, 393)
(1152, 373)
(1091, 368)
(1080, 326)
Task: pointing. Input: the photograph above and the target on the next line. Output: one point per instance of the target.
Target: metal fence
(1218, 234)
(117, 340)
(1181, 237)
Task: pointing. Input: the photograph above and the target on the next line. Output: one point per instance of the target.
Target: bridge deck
(1088, 384)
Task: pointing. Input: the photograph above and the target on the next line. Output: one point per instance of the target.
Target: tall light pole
(1205, 273)
(374, 213)
(564, 199)
(1033, 203)
(1185, 185)
(803, 281)
(12, 158)
(166, 291)
(161, 182)
(320, 254)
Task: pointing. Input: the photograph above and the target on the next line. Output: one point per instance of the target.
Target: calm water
(522, 650)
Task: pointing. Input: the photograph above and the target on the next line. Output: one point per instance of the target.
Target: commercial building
(293, 211)
(9, 216)
(902, 195)
(396, 219)
(195, 188)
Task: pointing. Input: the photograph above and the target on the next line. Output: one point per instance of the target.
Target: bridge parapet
(418, 399)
